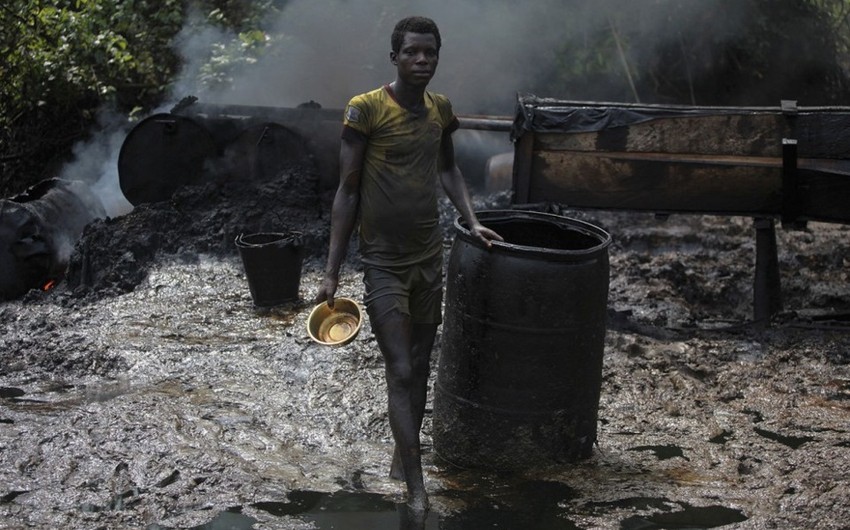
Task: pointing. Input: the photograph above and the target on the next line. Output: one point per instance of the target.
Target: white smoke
(195, 44)
(96, 163)
(327, 51)
(331, 50)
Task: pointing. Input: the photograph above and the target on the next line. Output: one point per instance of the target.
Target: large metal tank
(38, 230)
(162, 153)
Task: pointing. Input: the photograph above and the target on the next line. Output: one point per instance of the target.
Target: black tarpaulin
(552, 115)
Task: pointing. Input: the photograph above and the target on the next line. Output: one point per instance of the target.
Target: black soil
(114, 255)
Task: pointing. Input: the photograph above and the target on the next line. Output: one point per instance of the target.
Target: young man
(396, 145)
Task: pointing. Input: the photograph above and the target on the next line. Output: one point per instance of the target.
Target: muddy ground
(147, 391)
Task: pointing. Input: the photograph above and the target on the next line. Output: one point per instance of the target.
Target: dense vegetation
(63, 61)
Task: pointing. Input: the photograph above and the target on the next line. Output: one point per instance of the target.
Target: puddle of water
(540, 505)
(662, 452)
(537, 504)
(349, 510)
(99, 394)
(688, 517)
(721, 438)
(691, 517)
(232, 519)
(633, 503)
(791, 441)
(12, 495)
(9, 392)
(325, 511)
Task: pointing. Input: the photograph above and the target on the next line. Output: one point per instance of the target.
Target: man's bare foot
(411, 519)
(417, 501)
(396, 469)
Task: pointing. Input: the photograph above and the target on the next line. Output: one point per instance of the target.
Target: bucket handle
(294, 238)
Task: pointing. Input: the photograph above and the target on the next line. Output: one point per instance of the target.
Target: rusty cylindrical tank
(520, 368)
(38, 230)
(162, 153)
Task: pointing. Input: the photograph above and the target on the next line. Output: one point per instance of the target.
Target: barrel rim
(584, 227)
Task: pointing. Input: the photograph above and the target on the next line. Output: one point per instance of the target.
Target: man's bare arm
(452, 181)
(343, 214)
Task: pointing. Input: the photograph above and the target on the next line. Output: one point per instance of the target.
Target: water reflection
(693, 517)
(349, 510)
(536, 504)
(338, 510)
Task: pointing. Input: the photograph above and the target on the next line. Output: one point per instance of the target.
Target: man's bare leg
(395, 335)
(423, 344)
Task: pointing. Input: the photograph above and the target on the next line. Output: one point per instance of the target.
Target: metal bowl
(337, 326)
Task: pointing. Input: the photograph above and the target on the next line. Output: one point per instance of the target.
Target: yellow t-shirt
(399, 215)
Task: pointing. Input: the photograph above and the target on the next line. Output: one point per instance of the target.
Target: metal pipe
(486, 123)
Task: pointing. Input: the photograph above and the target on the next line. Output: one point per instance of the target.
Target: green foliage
(242, 44)
(92, 51)
(708, 52)
(63, 60)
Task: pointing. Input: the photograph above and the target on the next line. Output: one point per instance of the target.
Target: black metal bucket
(520, 370)
(272, 263)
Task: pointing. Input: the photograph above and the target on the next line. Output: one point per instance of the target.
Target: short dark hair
(414, 25)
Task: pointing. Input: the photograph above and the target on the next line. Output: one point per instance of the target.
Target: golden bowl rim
(322, 306)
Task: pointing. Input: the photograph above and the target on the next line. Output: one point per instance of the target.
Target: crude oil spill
(349, 510)
(662, 452)
(232, 519)
(9, 497)
(325, 511)
(531, 233)
(635, 503)
(791, 441)
(123, 501)
(721, 438)
(692, 517)
(9, 392)
(534, 504)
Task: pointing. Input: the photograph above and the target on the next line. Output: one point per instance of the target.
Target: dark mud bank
(148, 392)
(114, 255)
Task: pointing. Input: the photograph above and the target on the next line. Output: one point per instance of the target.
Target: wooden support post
(523, 153)
(790, 185)
(767, 289)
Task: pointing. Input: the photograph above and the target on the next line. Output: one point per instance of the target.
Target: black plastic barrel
(272, 263)
(520, 369)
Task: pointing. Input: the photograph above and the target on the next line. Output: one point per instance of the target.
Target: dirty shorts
(415, 290)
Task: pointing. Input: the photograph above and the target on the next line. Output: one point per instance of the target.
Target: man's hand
(327, 290)
(484, 234)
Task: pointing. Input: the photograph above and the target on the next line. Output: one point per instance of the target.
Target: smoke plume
(328, 51)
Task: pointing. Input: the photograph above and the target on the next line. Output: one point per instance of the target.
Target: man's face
(417, 58)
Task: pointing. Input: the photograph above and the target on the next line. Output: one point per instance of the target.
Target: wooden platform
(768, 163)
(789, 162)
